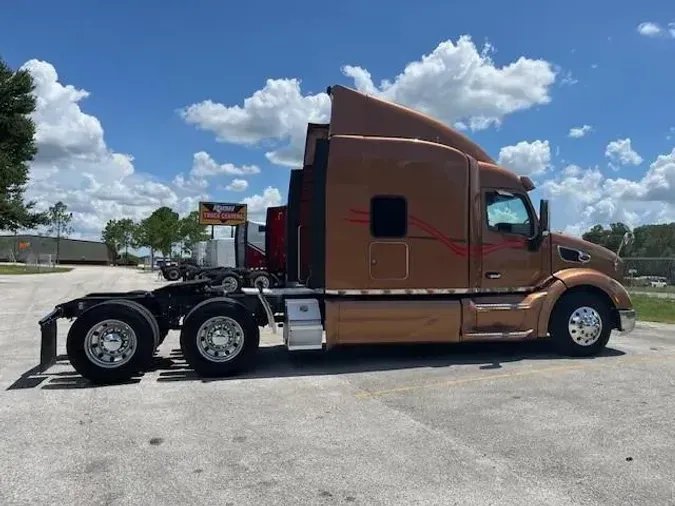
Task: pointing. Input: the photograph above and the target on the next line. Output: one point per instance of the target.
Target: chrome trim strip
(519, 334)
(501, 307)
(276, 292)
(431, 291)
(303, 290)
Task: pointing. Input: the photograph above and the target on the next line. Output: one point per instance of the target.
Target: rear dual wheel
(219, 338)
(113, 341)
(230, 282)
(261, 280)
(172, 274)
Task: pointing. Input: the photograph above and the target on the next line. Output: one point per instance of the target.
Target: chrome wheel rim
(110, 344)
(230, 283)
(220, 339)
(261, 281)
(585, 326)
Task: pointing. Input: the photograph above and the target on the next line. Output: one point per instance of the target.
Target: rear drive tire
(231, 282)
(172, 274)
(219, 339)
(148, 315)
(110, 343)
(261, 279)
(580, 324)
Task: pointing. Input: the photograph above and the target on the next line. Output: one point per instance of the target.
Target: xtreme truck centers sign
(218, 213)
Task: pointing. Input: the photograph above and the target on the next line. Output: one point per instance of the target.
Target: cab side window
(507, 212)
(388, 216)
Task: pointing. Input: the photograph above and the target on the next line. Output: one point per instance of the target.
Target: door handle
(493, 275)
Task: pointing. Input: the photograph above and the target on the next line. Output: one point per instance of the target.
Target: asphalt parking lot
(496, 424)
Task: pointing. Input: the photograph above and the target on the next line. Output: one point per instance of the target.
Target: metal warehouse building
(28, 248)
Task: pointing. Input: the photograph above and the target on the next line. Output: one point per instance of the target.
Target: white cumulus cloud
(456, 83)
(237, 185)
(258, 204)
(578, 132)
(526, 158)
(591, 198)
(655, 30)
(649, 29)
(621, 151)
(75, 165)
(205, 166)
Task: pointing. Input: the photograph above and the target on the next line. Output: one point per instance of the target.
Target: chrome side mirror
(626, 240)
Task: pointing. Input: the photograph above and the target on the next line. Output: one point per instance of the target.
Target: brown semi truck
(398, 230)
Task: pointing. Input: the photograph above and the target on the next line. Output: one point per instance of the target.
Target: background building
(34, 248)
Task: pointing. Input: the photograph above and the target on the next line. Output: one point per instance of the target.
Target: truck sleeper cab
(398, 230)
(418, 236)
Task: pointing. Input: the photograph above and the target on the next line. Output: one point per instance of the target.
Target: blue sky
(142, 61)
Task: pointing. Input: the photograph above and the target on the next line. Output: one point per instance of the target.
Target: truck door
(508, 222)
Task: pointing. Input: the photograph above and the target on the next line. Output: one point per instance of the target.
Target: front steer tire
(570, 336)
(216, 359)
(139, 355)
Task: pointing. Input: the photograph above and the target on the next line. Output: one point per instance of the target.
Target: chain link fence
(34, 253)
(40, 261)
(650, 275)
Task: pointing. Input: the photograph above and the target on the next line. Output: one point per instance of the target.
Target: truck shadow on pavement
(276, 362)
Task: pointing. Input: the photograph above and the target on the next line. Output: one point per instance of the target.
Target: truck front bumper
(627, 319)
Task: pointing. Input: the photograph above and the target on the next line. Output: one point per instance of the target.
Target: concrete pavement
(497, 424)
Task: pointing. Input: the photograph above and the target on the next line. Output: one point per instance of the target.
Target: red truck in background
(260, 249)
(259, 257)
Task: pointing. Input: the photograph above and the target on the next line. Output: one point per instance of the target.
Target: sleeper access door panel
(388, 261)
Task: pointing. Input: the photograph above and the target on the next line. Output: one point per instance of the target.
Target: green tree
(17, 149)
(112, 237)
(609, 238)
(127, 229)
(191, 232)
(141, 239)
(654, 241)
(158, 232)
(59, 223)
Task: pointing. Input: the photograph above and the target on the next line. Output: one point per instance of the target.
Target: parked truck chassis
(115, 335)
(232, 279)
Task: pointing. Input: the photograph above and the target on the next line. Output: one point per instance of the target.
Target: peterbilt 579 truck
(398, 230)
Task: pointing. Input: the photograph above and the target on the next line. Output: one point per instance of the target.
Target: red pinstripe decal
(458, 249)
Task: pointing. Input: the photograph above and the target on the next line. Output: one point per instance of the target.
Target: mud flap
(48, 329)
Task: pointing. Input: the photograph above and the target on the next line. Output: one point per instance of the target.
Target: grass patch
(665, 289)
(654, 309)
(26, 269)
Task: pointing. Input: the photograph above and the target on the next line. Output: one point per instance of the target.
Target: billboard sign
(219, 213)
